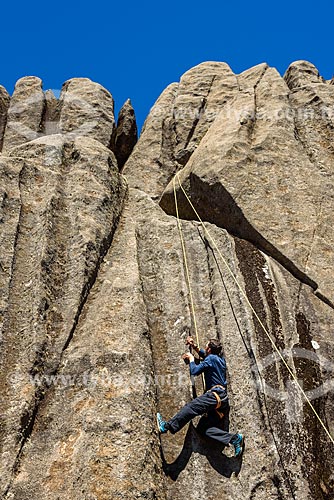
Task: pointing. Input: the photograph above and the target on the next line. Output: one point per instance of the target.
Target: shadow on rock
(212, 450)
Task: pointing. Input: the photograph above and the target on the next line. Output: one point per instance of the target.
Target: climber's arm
(195, 369)
(191, 343)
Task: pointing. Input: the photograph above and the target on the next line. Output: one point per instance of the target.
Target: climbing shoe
(162, 425)
(238, 443)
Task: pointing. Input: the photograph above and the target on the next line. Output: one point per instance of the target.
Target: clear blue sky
(135, 49)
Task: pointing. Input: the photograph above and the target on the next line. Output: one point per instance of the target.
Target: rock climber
(213, 405)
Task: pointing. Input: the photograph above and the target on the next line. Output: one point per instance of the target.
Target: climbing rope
(186, 266)
(249, 304)
(185, 260)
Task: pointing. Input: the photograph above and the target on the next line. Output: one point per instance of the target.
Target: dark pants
(210, 425)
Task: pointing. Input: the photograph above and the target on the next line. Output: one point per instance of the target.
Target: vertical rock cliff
(94, 304)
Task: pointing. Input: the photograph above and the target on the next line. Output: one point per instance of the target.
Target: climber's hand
(188, 358)
(190, 341)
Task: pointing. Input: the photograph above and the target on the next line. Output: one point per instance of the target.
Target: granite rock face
(25, 113)
(4, 104)
(86, 109)
(268, 164)
(126, 133)
(95, 305)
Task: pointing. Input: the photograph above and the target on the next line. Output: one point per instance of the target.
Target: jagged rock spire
(4, 105)
(126, 133)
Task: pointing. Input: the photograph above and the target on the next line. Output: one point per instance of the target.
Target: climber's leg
(215, 426)
(197, 406)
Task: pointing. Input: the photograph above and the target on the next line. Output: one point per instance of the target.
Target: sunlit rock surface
(94, 302)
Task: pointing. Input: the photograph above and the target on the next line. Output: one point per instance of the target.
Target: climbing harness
(206, 231)
(220, 400)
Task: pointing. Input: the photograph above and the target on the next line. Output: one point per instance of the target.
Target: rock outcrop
(4, 104)
(126, 133)
(86, 109)
(94, 303)
(25, 113)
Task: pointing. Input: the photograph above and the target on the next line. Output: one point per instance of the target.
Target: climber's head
(213, 347)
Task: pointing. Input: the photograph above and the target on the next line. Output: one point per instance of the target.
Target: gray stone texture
(4, 105)
(94, 301)
(86, 109)
(126, 133)
(25, 113)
